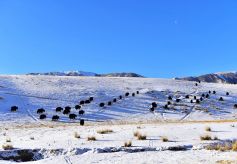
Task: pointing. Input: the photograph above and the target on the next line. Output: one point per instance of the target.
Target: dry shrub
(205, 138)
(7, 147)
(105, 131)
(164, 139)
(208, 129)
(141, 137)
(76, 135)
(91, 138)
(128, 144)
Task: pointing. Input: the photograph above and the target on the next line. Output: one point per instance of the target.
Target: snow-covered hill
(220, 77)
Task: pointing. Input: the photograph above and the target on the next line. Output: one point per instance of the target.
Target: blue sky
(156, 38)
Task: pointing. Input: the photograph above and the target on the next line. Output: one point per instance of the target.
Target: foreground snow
(54, 142)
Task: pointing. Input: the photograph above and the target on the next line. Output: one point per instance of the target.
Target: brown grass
(141, 137)
(105, 131)
(128, 144)
(205, 138)
(76, 135)
(208, 129)
(91, 138)
(164, 139)
(8, 140)
(7, 147)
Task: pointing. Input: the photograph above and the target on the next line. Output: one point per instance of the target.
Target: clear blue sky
(156, 38)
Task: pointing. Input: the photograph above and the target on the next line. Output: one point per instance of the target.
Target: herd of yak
(154, 105)
(67, 110)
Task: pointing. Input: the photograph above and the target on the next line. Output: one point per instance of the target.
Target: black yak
(87, 102)
(109, 103)
(127, 94)
(40, 111)
(59, 109)
(82, 102)
(120, 97)
(177, 100)
(114, 100)
(14, 108)
(102, 104)
(81, 112)
(221, 99)
(207, 96)
(209, 92)
(133, 94)
(196, 84)
(214, 92)
(72, 116)
(227, 93)
(235, 106)
(42, 116)
(195, 97)
(137, 92)
(152, 109)
(166, 106)
(203, 95)
(68, 108)
(168, 103)
(169, 98)
(91, 98)
(198, 101)
(82, 122)
(66, 111)
(77, 107)
(201, 99)
(191, 101)
(187, 96)
(55, 118)
(154, 104)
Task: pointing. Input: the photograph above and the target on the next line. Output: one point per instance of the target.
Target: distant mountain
(82, 73)
(221, 77)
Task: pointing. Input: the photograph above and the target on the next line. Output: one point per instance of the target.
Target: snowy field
(182, 122)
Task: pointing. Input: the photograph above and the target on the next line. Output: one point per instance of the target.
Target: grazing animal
(137, 92)
(166, 106)
(109, 103)
(191, 101)
(41, 110)
(221, 99)
(81, 112)
(195, 97)
(14, 108)
(87, 102)
(59, 109)
(102, 104)
(214, 92)
(82, 102)
(227, 93)
(72, 116)
(235, 106)
(154, 105)
(169, 98)
(203, 95)
(168, 103)
(199, 81)
(198, 101)
(196, 84)
(68, 108)
(77, 107)
(209, 92)
(207, 96)
(91, 98)
(177, 100)
(82, 122)
(66, 111)
(120, 97)
(55, 118)
(187, 96)
(127, 94)
(201, 99)
(42, 116)
(152, 109)
(114, 100)
(133, 94)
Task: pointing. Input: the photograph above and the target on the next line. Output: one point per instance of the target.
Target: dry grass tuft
(141, 137)
(91, 138)
(208, 129)
(7, 147)
(128, 144)
(164, 139)
(205, 138)
(105, 131)
(135, 134)
(76, 135)
(8, 140)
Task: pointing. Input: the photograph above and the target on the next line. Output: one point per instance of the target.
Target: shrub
(135, 134)
(205, 138)
(8, 140)
(7, 147)
(141, 137)
(76, 135)
(128, 144)
(164, 139)
(208, 129)
(104, 131)
(234, 146)
(91, 138)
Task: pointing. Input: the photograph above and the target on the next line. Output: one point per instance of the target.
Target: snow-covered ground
(182, 123)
